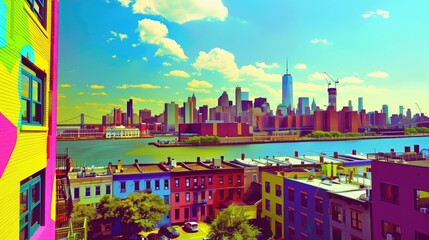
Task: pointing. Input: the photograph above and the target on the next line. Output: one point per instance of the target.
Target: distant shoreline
(293, 141)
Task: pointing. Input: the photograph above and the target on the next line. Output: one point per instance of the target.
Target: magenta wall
(408, 178)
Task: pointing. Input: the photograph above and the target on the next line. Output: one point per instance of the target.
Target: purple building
(400, 200)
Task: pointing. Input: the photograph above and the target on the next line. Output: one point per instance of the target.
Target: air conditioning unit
(424, 210)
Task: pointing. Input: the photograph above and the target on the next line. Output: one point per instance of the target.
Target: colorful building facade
(272, 202)
(28, 83)
(400, 200)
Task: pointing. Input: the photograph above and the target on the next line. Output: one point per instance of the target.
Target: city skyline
(163, 56)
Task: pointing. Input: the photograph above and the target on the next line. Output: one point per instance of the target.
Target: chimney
(407, 149)
(109, 168)
(321, 159)
(353, 152)
(242, 156)
(119, 165)
(416, 148)
(332, 169)
(222, 158)
(198, 159)
(168, 161)
(296, 153)
(335, 154)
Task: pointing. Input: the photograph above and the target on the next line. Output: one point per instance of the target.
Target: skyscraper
(313, 106)
(360, 104)
(385, 110)
(171, 116)
(332, 97)
(130, 112)
(194, 101)
(287, 89)
(223, 100)
(303, 104)
(401, 110)
(117, 116)
(238, 101)
(350, 105)
(244, 96)
(259, 101)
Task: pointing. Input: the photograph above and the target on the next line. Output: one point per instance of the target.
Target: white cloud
(276, 93)
(144, 85)
(316, 76)
(321, 41)
(98, 94)
(129, 60)
(301, 66)
(177, 73)
(182, 11)
(383, 13)
(199, 84)
(166, 64)
(144, 59)
(351, 79)
(155, 32)
(114, 56)
(95, 86)
(251, 72)
(208, 101)
(61, 96)
(167, 87)
(121, 36)
(81, 93)
(378, 74)
(264, 65)
(144, 100)
(65, 85)
(125, 3)
(199, 90)
(134, 45)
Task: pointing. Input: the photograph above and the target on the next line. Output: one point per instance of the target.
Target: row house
(198, 189)
(28, 113)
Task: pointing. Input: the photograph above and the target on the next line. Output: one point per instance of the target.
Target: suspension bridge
(78, 121)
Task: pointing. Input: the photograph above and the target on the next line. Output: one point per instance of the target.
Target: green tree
(82, 210)
(108, 207)
(335, 134)
(232, 223)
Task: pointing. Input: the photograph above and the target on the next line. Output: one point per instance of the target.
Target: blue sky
(158, 51)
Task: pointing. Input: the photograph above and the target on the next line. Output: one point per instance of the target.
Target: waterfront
(100, 152)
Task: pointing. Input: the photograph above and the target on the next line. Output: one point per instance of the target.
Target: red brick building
(331, 120)
(215, 129)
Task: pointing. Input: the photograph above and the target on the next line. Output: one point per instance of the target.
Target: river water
(101, 152)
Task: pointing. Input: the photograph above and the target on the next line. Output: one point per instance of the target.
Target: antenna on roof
(287, 66)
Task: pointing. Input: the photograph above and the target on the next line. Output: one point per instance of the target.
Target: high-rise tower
(223, 100)
(287, 89)
(332, 97)
(238, 101)
(360, 104)
(130, 112)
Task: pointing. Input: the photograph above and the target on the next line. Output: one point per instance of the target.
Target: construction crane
(419, 109)
(330, 80)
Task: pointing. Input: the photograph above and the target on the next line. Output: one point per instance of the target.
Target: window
(97, 190)
(87, 191)
(390, 228)
(267, 205)
(336, 234)
(239, 193)
(39, 8)
(194, 212)
(203, 211)
(291, 233)
(318, 205)
(422, 200)
(356, 219)
(148, 184)
(188, 197)
(195, 182)
(177, 197)
(157, 184)
(210, 180)
(278, 190)
(31, 201)
(123, 187)
(304, 199)
(187, 182)
(304, 220)
(336, 212)
(203, 181)
(186, 213)
(32, 91)
(319, 227)
(166, 199)
(76, 193)
(166, 184)
(203, 195)
(421, 236)
(176, 214)
(176, 182)
(108, 189)
(230, 179)
(230, 194)
(238, 179)
(291, 213)
(389, 193)
(255, 178)
(221, 194)
(221, 180)
(136, 186)
(195, 196)
(291, 195)
(278, 209)
(267, 187)
(210, 195)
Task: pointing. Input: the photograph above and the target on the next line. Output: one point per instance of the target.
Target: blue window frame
(39, 8)
(30, 206)
(31, 98)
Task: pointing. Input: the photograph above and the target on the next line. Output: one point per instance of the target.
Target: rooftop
(355, 194)
(336, 186)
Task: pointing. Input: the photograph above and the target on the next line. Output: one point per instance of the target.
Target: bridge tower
(82, 121)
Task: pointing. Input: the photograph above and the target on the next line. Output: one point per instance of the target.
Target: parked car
(156, 236)
(191, 226)
(168, 231)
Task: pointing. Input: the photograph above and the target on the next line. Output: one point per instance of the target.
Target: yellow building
(28, 78)
(272, 201)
